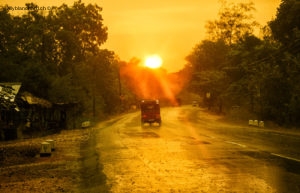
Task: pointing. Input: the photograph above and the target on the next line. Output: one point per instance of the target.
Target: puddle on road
(290, 165)
(197, 142)
(256, 154)
(193, 141)
(145, 134)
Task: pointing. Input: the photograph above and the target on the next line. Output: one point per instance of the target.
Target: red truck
(150, 112)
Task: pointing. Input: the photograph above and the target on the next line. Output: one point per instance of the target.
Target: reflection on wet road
(194, 152)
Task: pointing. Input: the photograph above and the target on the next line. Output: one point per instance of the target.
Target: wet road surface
(193, 151)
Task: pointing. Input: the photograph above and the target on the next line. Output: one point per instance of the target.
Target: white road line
(286, 157)
(234, 143)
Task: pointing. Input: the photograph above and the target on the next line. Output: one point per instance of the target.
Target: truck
(150, 112)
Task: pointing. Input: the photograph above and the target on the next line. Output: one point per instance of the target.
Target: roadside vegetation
(58, 55)
(237, 67)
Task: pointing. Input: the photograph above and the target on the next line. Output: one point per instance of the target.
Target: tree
(57, 55)
(208, 55)
(286, 26)
(10, 56)
(286, 30)
(235, 21)
(97, 78)
(6, 29)
(260, 73)
(207, 61)
(212, 60)
(86, 23)
(210, 84)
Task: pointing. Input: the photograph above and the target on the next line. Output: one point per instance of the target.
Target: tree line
(234, 66)
(57, 55)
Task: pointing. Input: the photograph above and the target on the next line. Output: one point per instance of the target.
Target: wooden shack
(23, 115)
(9, 111)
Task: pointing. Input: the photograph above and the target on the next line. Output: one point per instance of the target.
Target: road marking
(286, 157)
(234, 143)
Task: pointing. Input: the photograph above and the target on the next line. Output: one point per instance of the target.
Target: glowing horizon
(171, 28)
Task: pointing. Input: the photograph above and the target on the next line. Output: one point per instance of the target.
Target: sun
(153, 61)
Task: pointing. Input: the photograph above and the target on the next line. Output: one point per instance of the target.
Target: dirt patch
(23, 170)
(93, 178)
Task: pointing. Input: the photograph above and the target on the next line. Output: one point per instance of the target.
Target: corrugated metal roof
(8, 92)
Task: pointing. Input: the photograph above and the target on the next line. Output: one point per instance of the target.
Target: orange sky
(169, 28)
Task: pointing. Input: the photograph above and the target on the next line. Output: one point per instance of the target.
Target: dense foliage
(233, 66)
(57, 55)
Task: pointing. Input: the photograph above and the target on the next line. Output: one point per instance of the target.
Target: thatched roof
(33, 100)
(9, 92)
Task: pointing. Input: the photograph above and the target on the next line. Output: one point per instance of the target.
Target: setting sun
(153, 61)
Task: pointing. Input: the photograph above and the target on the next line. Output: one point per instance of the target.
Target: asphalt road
(194, 151)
